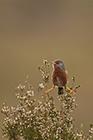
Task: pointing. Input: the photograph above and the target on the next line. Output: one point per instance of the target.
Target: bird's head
(59, 64)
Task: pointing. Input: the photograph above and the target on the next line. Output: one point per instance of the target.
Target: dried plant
(34, 119)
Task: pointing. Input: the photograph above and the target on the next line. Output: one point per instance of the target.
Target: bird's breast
(59, 77)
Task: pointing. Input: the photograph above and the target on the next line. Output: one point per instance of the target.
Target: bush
(34, 119)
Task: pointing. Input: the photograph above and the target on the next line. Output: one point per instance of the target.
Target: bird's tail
(60, 90)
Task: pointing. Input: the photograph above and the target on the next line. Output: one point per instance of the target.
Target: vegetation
(42, 119)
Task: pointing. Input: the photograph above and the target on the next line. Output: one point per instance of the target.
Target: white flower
(41, 86)
(30, 93)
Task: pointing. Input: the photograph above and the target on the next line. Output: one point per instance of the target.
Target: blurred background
(31, 30)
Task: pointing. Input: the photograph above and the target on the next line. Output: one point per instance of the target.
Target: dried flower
(34, 119)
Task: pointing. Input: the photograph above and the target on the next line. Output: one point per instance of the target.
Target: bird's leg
(72, 90)
(69, 90)
(50, 89)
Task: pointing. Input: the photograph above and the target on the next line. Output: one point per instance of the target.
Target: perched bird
(59, 76)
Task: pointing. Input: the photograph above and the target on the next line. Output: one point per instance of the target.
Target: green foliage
(34, 119)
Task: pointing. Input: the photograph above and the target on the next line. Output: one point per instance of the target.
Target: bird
(59, 76)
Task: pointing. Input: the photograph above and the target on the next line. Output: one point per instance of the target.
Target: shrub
(34, 119)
